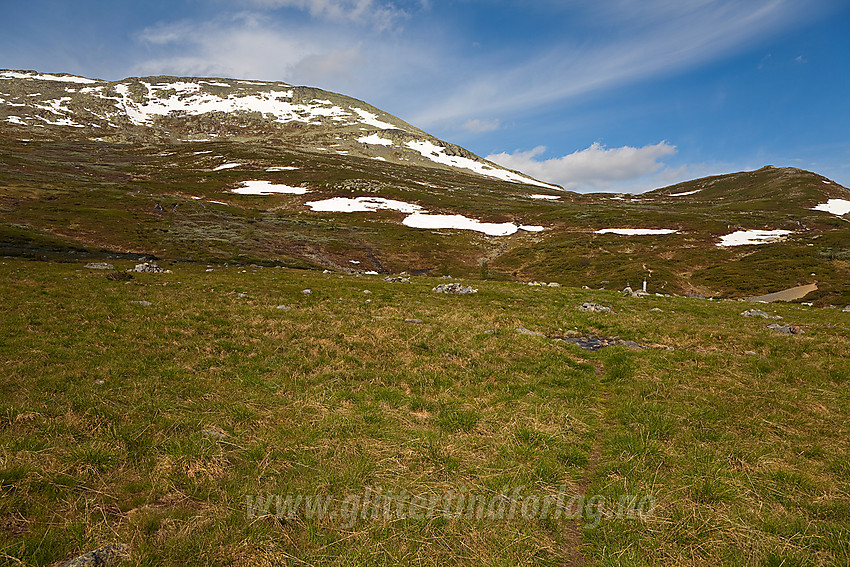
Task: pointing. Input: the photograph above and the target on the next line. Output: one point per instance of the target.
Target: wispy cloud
(379, 15)
(480, 126)
(641, 40)
(595, 168)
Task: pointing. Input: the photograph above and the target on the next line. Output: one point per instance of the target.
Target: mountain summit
(170, 109)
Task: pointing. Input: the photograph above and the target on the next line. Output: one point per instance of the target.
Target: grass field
(156, 426)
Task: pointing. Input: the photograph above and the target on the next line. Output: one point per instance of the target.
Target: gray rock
(211, 433)
(455, 288)
(759, 313)
(554, 284)
(414, 321)
(524, 331)
(150, 268)
(143, 303)
(105, 556)
(241, 295)
(397, 279)
(846, 309)
(590, 307)
(307, 291)
(785, 329)
(99, 266)
(366, 291)
(283, 307)
(656, 309)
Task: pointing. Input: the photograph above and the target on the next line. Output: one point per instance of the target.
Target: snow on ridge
(371, 119)
(837, 207)
(746, 237)
(438, 154)
(46, 77)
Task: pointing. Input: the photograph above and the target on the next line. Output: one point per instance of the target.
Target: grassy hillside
(155, 425)
(167, 201)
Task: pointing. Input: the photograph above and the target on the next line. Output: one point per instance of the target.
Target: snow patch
(685, 193)
(376, 140)
(460, 222)
(268, 188)
(545, 197)
(438, 154)
(367, 117)
(16, 120)
(636, 231)
(227, 166)
(281, 168)
(838, 207)
(361, 204)
(745, 237)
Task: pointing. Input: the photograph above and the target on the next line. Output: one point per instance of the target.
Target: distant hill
(223, 170)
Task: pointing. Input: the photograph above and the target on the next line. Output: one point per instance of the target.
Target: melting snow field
(838, 207)
(361, 205)
(424, 220)
(282, 168)
(744, 237)
(44, 77)
(268, 188)
(417, 216)
(685, 193)
(636, 231)
(546, 197)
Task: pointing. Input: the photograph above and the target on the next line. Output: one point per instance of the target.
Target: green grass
(151, 426)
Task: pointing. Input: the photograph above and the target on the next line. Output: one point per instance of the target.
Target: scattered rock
(590, 307)
(105, 556)
(150, 268)
(307, 291)
(209, 270)
(366, 291)
(99, 266)
(656, 309)
(524, 331)
(143, 303)
(785, 329)
(695, 296)
(241, 295)
(455, 288)
(759, 313)
(846, 309)
(750, 352)
(554, 284)
(401, 278)
(491, 332)
(100, 382)
(283, 307)
(414, 321)
(592, 343)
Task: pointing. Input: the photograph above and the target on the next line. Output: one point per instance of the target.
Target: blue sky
(605, 95)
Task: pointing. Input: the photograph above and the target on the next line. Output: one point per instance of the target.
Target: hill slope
(221, 170)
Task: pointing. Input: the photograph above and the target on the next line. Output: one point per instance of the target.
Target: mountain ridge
(331, 187)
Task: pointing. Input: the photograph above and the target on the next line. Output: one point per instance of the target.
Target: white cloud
(595, 168)
(380, 15)
(480, 126)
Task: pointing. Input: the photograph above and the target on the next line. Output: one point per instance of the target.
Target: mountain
(172, 109)
(224, 170)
